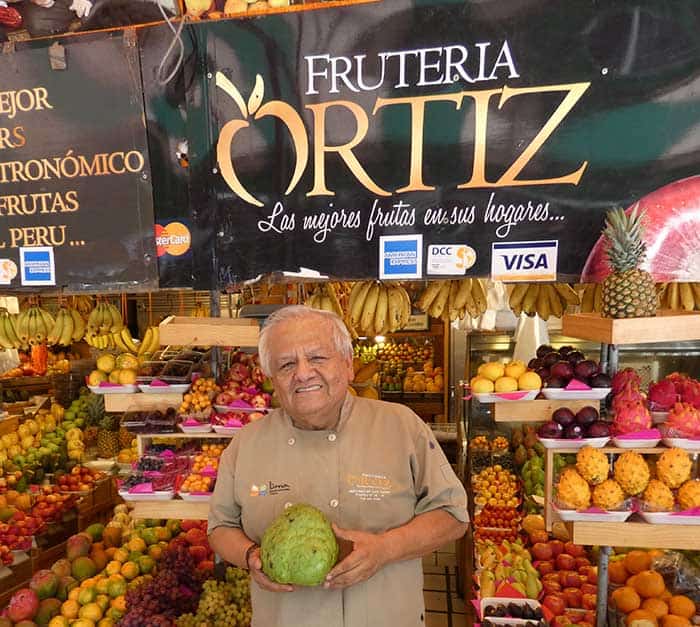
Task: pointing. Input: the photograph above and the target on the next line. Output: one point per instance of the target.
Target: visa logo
(528, 261)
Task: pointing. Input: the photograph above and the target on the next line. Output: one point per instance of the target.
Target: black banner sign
(76, 207)
(469, 124)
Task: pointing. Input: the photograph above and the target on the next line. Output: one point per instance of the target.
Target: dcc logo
(463, 256)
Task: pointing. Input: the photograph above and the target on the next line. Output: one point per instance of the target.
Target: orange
(672, 620)
(649, 584)
(626, 599)
(656, 606)
(681, 605)
(70, 609)
(617, 572)
(640, 618)
(637, 561)
(631, 581)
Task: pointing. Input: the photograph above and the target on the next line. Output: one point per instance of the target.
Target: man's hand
(365, 559)
(255, 565)
(81, 8)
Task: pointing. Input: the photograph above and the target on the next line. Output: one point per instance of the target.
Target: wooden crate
(666, 326)
(181, 331)
(9, 425)
(99, 514)
(47, 557)
(102, 495)
(142, 402)
(57, 533)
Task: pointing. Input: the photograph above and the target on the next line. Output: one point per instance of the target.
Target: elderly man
(374, 468)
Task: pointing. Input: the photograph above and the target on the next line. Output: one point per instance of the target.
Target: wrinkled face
(309, 374)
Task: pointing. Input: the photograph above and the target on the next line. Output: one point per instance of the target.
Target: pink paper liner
(513, 396)
(142, 488)
(240, 403)
(191, 422)
(208, 471)
(108, 384)
(233, 423)
(694, 511)
(157, 383)
(646, 434)
(167, 454)
(577, 385)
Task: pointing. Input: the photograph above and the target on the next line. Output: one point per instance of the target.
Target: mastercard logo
(172, 239)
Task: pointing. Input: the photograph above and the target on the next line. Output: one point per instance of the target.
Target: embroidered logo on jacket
(270, 488)
(369, 487)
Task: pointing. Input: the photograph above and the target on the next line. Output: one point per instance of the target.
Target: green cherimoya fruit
(299, 547)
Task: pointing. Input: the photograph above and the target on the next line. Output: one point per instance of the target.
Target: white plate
(667, 518)
(225, 409)
(160, 495)
(122, 389)
(635, 443)
(175, 388)
(502, 397)
(186, 496)
(573, 444)
(221, 430)
(203, 428)
(571, 515)
(684, 443)
(560, 394)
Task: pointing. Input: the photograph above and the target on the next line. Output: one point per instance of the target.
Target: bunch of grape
(173, 592)
(223, 603)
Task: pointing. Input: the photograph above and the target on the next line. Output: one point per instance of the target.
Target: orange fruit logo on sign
(172, 239)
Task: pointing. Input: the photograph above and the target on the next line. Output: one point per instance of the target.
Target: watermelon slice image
(672, 235)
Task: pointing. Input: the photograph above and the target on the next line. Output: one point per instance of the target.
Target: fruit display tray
(572, 515)
(669, 518)
(560, 394)
(507, 397)
(573, 445)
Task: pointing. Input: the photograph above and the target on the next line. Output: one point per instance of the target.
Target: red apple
(573, 597)
(589, 601)
(576, 550)
(555, 603)
(574, 617)
(549, 587)
(569, 579)
(589, 588)
(565, 562)
(561, 621)
(557, 547)
(593, 575)
(541, 551)
(545, 567)
(589, 617)
(582, 561)
(539, 535)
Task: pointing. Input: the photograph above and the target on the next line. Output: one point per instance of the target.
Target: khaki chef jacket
(378, 469)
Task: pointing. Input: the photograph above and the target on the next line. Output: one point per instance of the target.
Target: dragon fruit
(630, 418)
(629, 395)
(677, 379)
(690, 392)
(623, 378)
(662, 395)
(684, 419)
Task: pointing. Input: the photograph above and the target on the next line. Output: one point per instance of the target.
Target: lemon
(492, 370)
(481, 385)
(59, 621)
(106, 363)
(529, 381)
(96, 377)
(91, 611)
(515, 368)
(127, 376)
(506, 384)
(70, 609)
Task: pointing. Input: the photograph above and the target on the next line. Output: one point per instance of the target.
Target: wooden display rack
(142, 402)
(175, 508)
(667, 326)
(538, 410)
(184, 331)
(640, 534)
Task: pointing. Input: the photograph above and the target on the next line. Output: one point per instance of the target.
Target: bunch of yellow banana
(452, 299)
(543, 299)
(8, 332)
(324, 296)
(592, 298)
(199, 311)
(679, 296)
(69, 327)
(84, 304)
(150, 342)
(33, 325)
(104, 319)
(376, 308)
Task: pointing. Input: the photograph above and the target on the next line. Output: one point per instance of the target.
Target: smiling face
(310, 375)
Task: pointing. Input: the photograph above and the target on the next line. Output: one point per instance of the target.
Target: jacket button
(334, 503)
(291, 441)
(287, 505)
(331, 437)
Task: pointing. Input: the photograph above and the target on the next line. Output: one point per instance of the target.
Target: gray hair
(339, 332)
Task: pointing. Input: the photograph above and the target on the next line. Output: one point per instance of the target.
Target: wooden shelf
(638, 534)
(667, 326)
(539, 410)
(175, 508)
(142, 402)
(140, 437)
(181, 331)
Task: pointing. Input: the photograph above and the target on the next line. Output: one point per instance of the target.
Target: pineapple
(108, 437)
(628, 291)
(125, 437)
